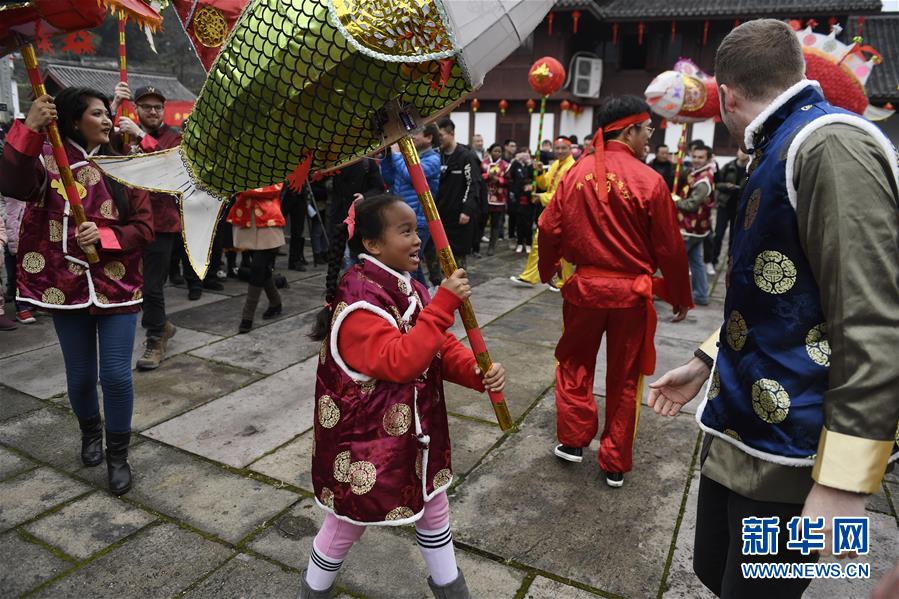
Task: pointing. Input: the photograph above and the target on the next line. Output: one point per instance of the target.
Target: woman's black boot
(91, 440)
(117, 462)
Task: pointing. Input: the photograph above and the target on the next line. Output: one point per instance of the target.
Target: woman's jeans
(698, 279)
(79, 334)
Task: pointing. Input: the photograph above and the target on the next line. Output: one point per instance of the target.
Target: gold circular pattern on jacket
(732, 433)
(397, 419)
(752, 208)
(328, 412)
(715, 385)
(774, 272)
(50, 165)
(137, 295)
(76, 269)
(210, 26)
(54, 296)
(342, 467)
(399, 513)
(115, 270)
(340, 308)
(323, 352)
(403, 286)
(368, 387)
(442, 478)
(817, 346)
(736, 331)
(33, 262)
(327, 498)
(770, 401)
(55, 231)
(88, 176)
(108, 209)
(101, 299)
(363, 476)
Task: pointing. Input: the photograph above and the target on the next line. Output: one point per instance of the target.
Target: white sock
(437, 548)
(322, 571)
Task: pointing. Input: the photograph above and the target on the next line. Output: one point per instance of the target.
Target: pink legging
(336, 537)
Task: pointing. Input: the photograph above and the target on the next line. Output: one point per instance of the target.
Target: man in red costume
(613, 217)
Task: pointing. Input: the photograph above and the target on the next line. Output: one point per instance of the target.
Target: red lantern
(641, 31)
(614, 34)
(673, 30)
(546, 76)
(475, 104)
(795, 24)
(565, 105)
(831, 22)
(575, 19)
(705, 33)
(503, 105)
(549, 19)
(736, 23)
(531, 105)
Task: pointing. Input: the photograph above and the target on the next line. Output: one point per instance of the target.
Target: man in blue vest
(801, 410)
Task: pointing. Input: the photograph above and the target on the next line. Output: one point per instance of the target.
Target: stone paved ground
(221, 505)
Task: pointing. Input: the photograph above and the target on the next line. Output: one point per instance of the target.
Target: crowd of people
(800, 410)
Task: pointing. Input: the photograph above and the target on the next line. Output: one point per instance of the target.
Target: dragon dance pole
(681, 150)
(59, 152)
(448, 265)
(123, 74)
(539, 141)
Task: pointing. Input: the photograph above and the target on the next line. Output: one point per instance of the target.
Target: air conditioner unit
(587, 77)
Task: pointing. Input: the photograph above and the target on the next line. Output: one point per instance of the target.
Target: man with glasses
(153, 135)
(613, 217)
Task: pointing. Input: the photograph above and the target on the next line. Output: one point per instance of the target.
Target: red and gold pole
(679, 161)
(59, 152)
(448, 266)
(123, 74)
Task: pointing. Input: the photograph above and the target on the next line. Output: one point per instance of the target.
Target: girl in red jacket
(382, 448)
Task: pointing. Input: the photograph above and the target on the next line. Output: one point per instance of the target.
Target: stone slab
(291, 463)
(32, 493)
(50, 434)
(224, 318)
(176, 298)
(587, 543)
(159, 562)
(878, 502)
(700, 322)
(20, 372)
(532, 323)
(180, 384)
(264, 349)
(470, 441)
(25, 565)
(90, 524)
(242, 426)
(202, 494)
(184, 340)
(530, 369)
(11, 464)
(28, 336)
(244, 577)
(682, 582)
(544, 588)
(386, 561)
(13, 403)
(499, 295)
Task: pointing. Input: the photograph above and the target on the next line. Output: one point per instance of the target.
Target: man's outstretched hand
(677, 387)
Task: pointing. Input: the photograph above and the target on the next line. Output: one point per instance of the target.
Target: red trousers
(576, 414)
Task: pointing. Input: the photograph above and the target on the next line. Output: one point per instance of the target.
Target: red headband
(599, 165)
(564, 140)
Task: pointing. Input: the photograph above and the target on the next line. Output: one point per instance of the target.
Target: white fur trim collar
(402, 276)
(773, 107)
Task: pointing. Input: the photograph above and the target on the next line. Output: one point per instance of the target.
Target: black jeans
(157, 259)
(262, 264)
(496, 227)
(726, 216)
(525, 224)
(512, 211)
(717, 550)
(297, 214)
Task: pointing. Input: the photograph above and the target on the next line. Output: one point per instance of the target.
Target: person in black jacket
(361, 179)
(293, 206)
(458, 198)
(522, 172)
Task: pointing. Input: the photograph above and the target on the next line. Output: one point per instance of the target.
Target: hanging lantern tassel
(531, 105)
(641, 31)
(861, 26)
(475, 104)
(575, 19)
(673, 30)
(565, 105)
(705, 33)
(503, 105)
(549, 20)
(614, 34)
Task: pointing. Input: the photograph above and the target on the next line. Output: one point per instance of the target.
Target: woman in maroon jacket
(94, 306)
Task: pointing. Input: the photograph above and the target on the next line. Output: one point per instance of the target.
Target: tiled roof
(105, 81)
(612, 10)
(882, 34)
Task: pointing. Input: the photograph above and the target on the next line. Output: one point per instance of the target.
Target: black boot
(117, 462)
(91, 440)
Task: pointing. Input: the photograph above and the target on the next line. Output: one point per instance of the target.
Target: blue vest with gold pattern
(768, 384)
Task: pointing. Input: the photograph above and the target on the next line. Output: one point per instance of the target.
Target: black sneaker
(615, 479)
(194, 293)
(213, 285)
(569, 454)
